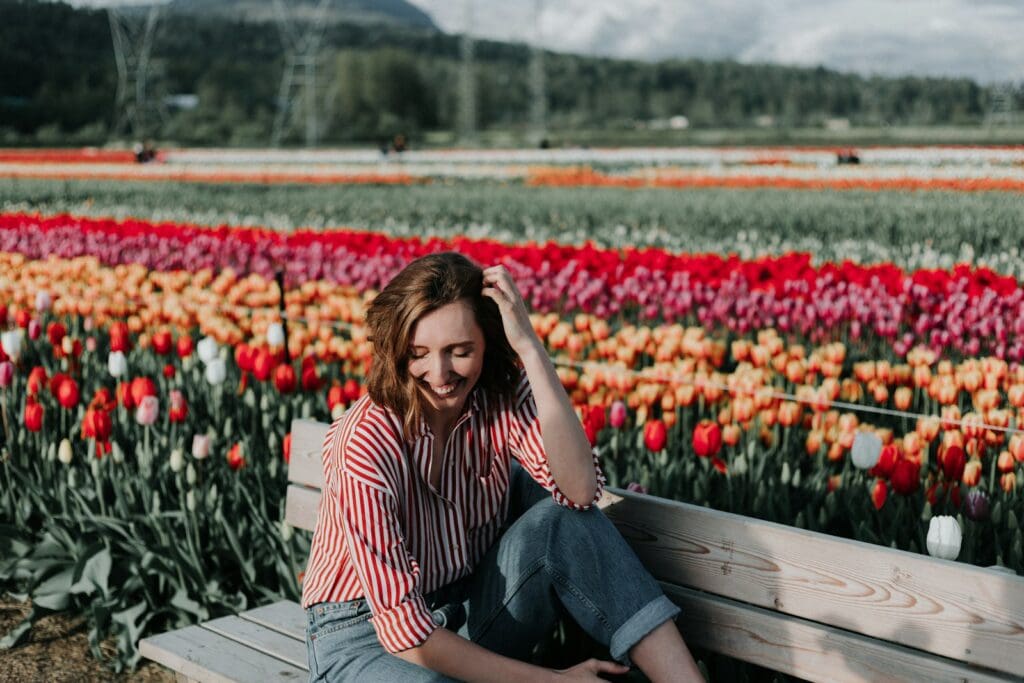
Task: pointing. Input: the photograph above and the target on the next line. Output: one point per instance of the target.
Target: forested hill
(58, 83)
(355, 11)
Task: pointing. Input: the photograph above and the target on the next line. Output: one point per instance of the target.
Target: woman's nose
(440, 369)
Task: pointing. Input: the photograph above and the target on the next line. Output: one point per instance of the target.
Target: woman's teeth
(446, 389)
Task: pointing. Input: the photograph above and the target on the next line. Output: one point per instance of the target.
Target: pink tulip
(200, 446)
(34, 329)
(148, 410)
(618, 414)
(6, 373)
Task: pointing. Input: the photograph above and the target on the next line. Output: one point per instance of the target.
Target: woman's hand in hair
(499, 286)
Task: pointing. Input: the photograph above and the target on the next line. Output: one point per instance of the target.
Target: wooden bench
(803, 603)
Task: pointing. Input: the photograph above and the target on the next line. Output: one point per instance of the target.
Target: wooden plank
(946, 608)
(306, 463)
(285, 617)
(802, 648)
(260, 638)
(207, 657)
(300, 507)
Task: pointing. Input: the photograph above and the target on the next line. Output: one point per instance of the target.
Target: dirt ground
(57, 651)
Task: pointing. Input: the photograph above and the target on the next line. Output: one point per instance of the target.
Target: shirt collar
(474, 404)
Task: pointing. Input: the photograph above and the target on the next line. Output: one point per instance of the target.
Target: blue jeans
(546, 554)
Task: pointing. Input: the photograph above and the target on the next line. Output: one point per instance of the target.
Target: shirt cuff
(405, 625)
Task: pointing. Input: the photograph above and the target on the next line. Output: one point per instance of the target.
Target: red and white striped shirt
(385, 534)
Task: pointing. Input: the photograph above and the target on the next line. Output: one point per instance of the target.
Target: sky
(975, 38)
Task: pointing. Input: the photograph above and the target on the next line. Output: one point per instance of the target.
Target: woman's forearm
(565, 442)
(456, 657)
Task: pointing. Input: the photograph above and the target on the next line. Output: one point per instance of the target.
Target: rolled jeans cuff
(649, 617)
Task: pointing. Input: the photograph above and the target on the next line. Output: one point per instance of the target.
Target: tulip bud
(207, 349)
(64, 452)
(976, 505)
(177, 460)
(34, 329)
(6, 374)
(618, 414)
(116, 454)
(11, 342)
(147, 410)
(866, 450)
(216, 371)
(190, 475)
(190, 500)
(200, 446)
(634, 487)
(117, 364)
(337, 411)
(43, 301)
(944, 537)
(286, 532)
(275, 335)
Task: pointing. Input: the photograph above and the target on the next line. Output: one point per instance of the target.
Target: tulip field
(835, 348)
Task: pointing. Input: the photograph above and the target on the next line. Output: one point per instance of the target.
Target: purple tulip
(976, 505)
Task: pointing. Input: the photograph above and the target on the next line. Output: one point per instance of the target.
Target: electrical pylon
(298, 99)
(467, 80)
(132, 28)
(538, 89)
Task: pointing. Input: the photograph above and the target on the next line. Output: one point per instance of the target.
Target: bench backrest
(804, 603)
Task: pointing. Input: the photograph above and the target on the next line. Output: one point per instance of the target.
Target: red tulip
(22, 318)
(169, 371)
(707, 438)
(284, 378)
(335, 396)
(906, 477)
(879, 493)
(184, 346)
(236, 459)
(55, 381)
(655, 435)
(953, 461)
(141, 387)
(96, 425)
(162, 342)
(67, 394)
(33, 415)
(119, 339)
(103, 400)
(310, 380)
(262, 364)
(244, 357)
(124, 395)
(352, 390)
(55, 332)
(36, 379)
(286, 448)
(886, 461)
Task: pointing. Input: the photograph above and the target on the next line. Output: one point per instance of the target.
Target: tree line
(59, 84)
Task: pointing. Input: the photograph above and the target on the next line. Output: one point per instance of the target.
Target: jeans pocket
(329, 631)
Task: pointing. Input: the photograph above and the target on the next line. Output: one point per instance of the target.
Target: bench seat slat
(285, 617)
(812, 651)
(260, 638)
(207, 657)
(950, 609)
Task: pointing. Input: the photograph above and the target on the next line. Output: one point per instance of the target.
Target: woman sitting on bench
(458, 509)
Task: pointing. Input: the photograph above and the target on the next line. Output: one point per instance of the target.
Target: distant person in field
(458, 514)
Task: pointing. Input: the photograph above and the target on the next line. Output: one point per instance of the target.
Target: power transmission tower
(132, 29)
(1001, 110)
(467, 81)
(298, 97)
(538, 91)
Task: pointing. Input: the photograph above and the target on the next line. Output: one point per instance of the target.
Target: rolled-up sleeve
(389, 575)
(527, 447)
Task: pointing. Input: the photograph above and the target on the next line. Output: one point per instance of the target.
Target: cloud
(975, 38)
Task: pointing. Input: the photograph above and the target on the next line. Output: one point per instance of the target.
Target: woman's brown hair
(426, 284)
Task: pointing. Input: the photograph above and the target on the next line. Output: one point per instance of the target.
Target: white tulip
(275, 334)
(64, 452)
(944, 537)
(216, 371)
(177, 460)
(207, 349)
(43, 300)
(866, 450)
(11, 341)
(337, 411)
(117, 364)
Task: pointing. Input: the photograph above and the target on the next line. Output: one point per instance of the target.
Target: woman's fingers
(600, 666)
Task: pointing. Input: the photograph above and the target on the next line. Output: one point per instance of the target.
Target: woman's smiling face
(446, 357)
